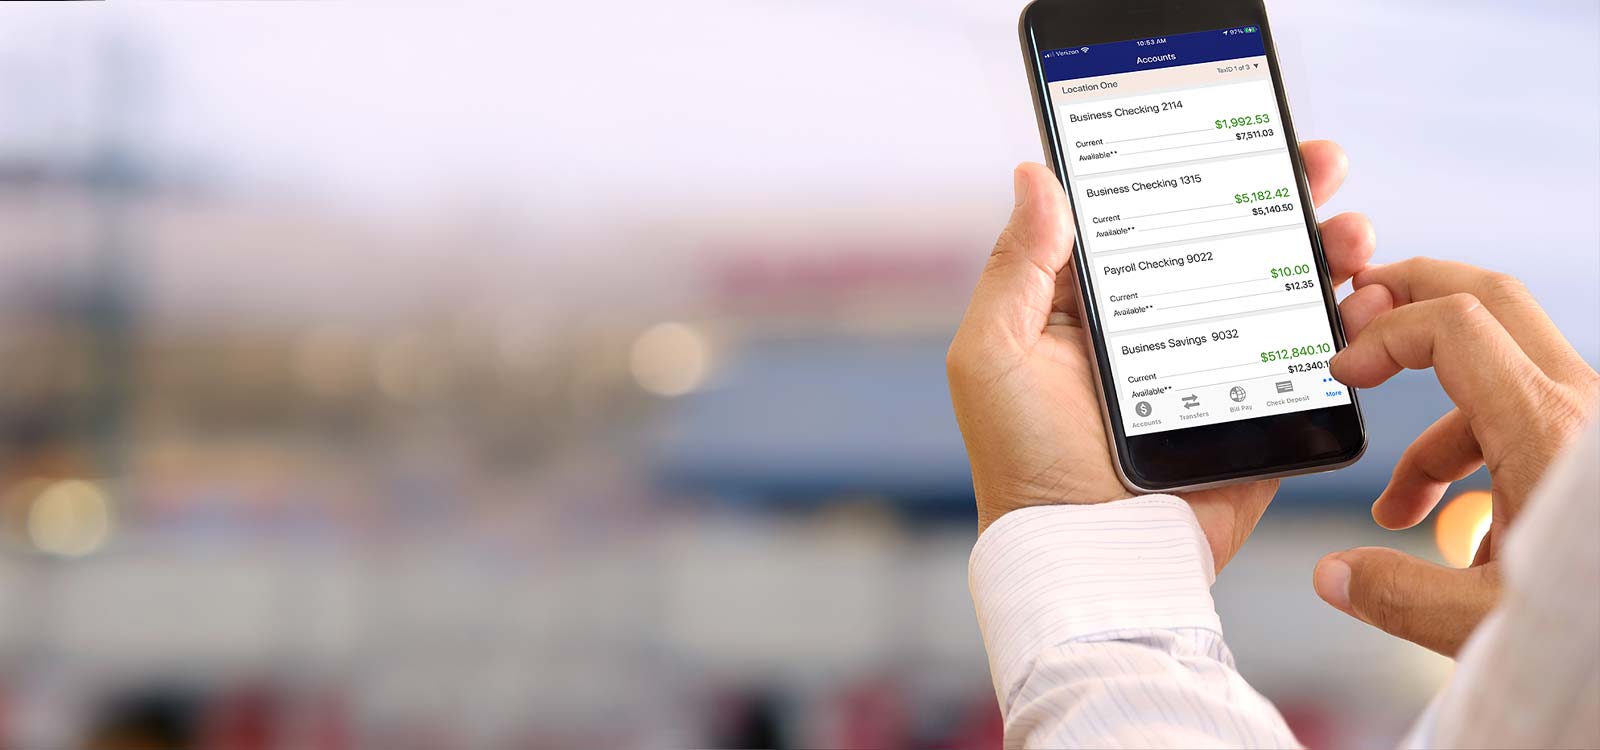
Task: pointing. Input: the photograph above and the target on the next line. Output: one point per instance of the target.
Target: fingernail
(1332, 582)
(1019, 187)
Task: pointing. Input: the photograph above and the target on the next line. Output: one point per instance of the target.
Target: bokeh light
(70, 518)
(670, 359)
(1461, 526)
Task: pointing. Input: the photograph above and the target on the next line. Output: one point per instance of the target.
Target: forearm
(1101, 631)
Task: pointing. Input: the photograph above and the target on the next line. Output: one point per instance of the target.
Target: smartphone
(1201, 275)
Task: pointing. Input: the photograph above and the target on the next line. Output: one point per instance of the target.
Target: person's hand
(1521, 393)
(1022, 380)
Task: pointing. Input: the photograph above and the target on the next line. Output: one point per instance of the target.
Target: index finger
(1480, 367)
(1419, 279)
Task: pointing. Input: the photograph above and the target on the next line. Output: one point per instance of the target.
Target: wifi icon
(1083, 49)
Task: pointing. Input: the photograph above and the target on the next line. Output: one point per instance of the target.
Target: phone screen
(1192, 230)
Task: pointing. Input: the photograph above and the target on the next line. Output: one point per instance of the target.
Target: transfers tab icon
(1191, 401)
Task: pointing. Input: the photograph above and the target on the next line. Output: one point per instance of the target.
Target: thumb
(1430, 605)
(1018, 284)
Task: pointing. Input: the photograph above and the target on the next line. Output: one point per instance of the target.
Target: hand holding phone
(1022, 379)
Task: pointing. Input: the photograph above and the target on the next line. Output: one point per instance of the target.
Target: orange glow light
(1461, 526)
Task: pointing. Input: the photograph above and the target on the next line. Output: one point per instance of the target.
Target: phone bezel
(1208, 455)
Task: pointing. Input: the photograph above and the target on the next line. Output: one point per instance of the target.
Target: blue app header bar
(1151, 53)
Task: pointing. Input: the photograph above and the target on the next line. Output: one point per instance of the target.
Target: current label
(1192, 229)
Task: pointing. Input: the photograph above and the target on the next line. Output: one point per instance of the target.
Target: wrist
(993, 506)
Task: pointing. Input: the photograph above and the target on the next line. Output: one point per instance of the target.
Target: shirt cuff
(1043, 576)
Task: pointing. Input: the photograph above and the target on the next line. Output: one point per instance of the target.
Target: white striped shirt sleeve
(1101, 631)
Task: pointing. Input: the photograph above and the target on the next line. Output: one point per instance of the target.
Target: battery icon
(1249, 29)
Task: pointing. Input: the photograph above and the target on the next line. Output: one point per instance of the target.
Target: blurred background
(571, 375)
